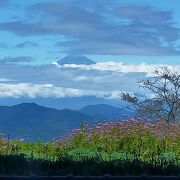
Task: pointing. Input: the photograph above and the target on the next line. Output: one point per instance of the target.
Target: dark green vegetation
(121, 148)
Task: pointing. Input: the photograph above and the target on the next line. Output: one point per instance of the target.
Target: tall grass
(130, 147)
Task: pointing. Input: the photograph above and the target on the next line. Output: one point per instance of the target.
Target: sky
(127, 39)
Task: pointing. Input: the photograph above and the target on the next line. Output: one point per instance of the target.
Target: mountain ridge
(105, 111)
(31, 121)
(34, 122)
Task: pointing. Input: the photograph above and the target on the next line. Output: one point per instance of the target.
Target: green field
(118, 148)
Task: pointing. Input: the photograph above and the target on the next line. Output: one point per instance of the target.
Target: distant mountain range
(31, 121)
(75, 59)
(105, 112)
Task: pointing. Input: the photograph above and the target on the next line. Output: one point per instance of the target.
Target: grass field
(118, 148)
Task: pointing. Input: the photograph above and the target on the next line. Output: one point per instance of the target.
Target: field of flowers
(131, 147)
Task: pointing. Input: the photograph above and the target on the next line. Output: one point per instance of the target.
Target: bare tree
(165, 101)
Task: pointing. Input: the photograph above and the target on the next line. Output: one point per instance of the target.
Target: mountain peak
(26, 105)
(75, 59)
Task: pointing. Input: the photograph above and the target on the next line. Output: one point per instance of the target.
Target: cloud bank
(119, 67)
(48, 90)
(102, 80)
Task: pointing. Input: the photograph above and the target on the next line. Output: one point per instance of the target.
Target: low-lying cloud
(103, 80)
(119, 67)
(29, 90)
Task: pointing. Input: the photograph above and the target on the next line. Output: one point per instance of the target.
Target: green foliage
(133, 147)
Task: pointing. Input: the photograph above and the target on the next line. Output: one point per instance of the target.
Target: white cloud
(81, 78)
(118, 67)
(5, 79)
(103, 80)
(49, 90)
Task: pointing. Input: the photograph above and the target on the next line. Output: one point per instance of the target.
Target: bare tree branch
(165, 104)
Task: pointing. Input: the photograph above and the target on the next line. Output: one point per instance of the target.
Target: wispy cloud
(5, 80)
(3, 2)
(4, 45)
(26, 44)
(114, 30)
(19, 59)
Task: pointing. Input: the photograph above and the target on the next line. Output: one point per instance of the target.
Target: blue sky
(127, 38)
(127, 30)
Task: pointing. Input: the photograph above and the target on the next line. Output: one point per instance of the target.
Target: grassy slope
(129, 147)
